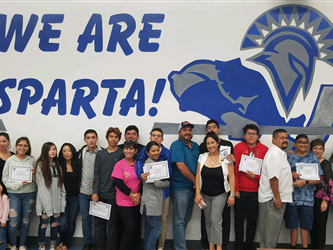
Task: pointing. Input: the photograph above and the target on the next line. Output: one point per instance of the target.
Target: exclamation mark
(160, 84)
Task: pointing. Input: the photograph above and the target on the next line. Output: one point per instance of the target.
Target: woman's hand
(33, 170)
(144, 176)
(323, 206)
(231, 201)
(135, 198)
(198, 199)
(24, 183)
(3, 224)
(231, 158)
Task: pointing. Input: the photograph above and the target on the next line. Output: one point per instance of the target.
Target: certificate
(224, 151)
(100, 209)
(20, 173)
(249, 163)
(158, 171)
(307, 171)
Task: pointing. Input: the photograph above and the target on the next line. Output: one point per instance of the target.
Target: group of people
(65, 183)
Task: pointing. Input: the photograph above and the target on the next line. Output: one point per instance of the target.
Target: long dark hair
(44, 163)
(74, 162)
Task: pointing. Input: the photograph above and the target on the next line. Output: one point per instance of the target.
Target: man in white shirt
(275, 190)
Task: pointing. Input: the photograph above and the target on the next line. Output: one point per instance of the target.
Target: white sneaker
(23, 248)
(52, 248)
(13, 248)
(41, 248)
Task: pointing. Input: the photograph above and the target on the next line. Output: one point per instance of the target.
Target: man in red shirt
(247, 185)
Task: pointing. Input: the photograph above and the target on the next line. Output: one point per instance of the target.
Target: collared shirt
(88, 171)
(304, 195)
(180, 152)
(275, 165)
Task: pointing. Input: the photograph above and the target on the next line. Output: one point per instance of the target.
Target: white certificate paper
(100, 209)
(158, 171)
(249, 163)
(224, 151)
(308, 171)
(20, 173)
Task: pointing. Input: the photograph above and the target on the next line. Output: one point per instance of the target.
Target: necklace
(213, 159)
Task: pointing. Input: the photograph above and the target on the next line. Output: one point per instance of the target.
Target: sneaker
(52, 248)
(23, 248)
(13, 248)
(87, 247)
(41, 248)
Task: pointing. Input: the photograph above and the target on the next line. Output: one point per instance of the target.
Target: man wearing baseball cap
(184, 158)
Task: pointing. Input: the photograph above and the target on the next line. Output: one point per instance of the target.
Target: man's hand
(91, 183)
(250, 174)
(3, 224)
(237, 194)
(94, 197)
(299, 183)
(278, 203)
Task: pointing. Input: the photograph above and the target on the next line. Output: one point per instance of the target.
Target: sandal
(60, 246)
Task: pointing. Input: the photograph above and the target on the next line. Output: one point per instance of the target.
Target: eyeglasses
(156, 135)
(211, 127)
(22, 146)
(251, 134)
(302, 142)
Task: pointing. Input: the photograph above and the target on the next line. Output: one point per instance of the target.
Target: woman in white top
(214, 179)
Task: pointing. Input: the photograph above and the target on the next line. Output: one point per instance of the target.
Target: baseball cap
(185, 124)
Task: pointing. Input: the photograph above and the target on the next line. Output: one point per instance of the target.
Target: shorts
(299, 215)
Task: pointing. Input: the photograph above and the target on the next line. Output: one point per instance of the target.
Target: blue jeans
(3, 232)
(183, 201)
(152, 231)
(20, 204)
(87, 219)
(43, 222)
(67, 220)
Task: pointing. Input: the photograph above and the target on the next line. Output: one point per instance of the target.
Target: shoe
(52, 248)
(13, 248)
(93, 246)
(41, 248)
(23, 248)
(87, 247)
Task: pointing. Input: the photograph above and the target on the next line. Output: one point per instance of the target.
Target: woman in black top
(322, 197)
(68, 160)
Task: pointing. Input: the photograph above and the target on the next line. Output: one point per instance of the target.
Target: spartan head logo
(292, 38)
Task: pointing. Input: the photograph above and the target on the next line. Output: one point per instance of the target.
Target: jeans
(183, 201)
(107, 229)
(67, 220)
(20, 205)
(87, 219)
(247, 206)
(3, 232)
(152, 231)
(43, 222)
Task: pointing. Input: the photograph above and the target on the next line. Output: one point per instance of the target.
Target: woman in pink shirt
(128, 195)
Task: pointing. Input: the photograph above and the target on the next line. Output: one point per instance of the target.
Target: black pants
(131, 218)
(225, 228)
(318, 232)
(246, 206)
(107, 229)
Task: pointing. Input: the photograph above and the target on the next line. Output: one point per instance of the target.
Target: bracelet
(232, 194)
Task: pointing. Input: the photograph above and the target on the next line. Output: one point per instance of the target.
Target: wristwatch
(306, 182)
(231, 194)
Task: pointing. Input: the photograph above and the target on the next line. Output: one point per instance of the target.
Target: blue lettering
(59, 86)
(129, 102)
(84, 101)
(26, 97)
(121, 37)
(16, 24)
(94, 22)
(147, 32)
(6, 104)
(112, 95)
(47, 32)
